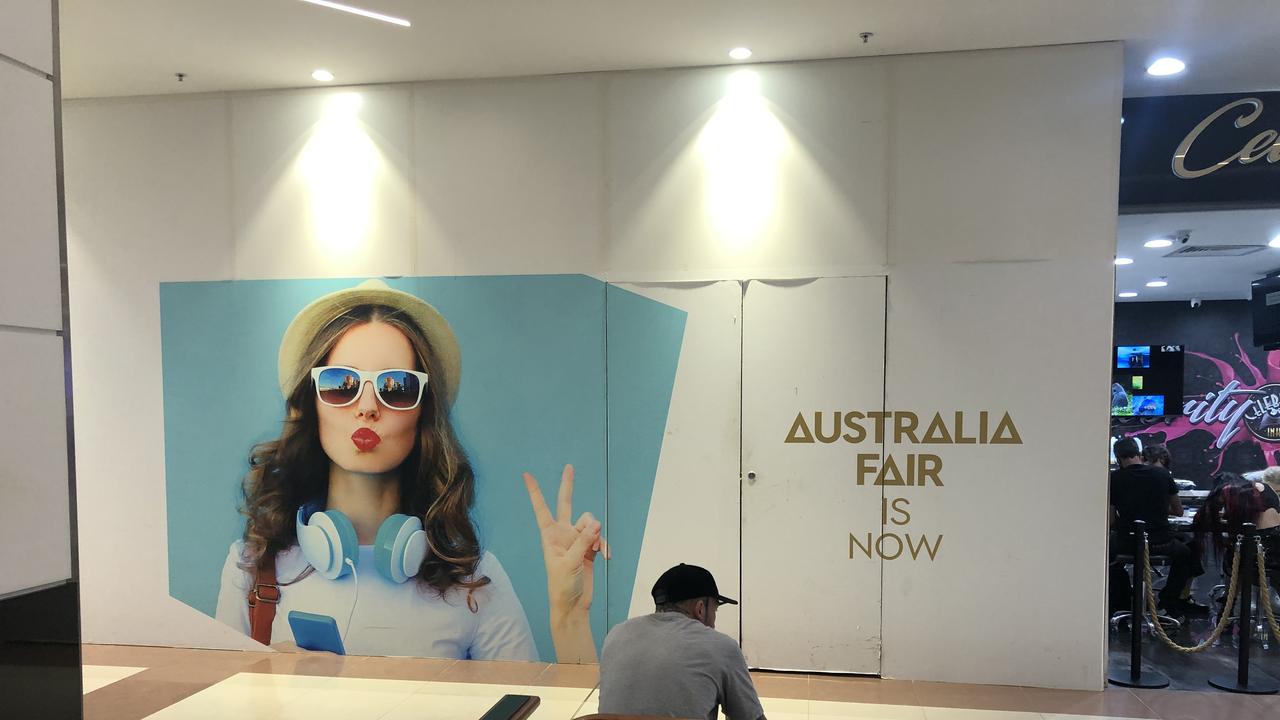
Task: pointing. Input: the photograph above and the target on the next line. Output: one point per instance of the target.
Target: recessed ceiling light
(361, 12)
(1124, 261)
(740, 53)
(322, 75)
(1158, 243)
(1275, 242)
(1166, 66)
(1128, 293)
(1157, 283)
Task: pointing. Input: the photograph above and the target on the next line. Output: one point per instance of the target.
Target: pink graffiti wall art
(1231, 415)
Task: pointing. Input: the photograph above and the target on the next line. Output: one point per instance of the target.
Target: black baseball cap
(685, 582)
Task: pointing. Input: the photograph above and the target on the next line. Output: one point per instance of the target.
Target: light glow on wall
(339, 165)
(741, 146)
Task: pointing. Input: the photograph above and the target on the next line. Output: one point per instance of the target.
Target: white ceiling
(134, 47)
(1216, 278)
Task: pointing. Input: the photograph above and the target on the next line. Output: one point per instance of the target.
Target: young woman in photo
(360, 510)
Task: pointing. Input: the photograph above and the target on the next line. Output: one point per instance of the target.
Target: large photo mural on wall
(412, 466)
(1230, 417)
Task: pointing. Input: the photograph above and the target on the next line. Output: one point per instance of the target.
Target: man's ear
(700, 610)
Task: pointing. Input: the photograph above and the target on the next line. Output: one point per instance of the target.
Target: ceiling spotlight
(740, 53)
(1166, 66)
(1128, 293)
(1157, 283)
(361, 12)
(1124, 261)
(1275, 242)
(322, 76)
(1158, 243)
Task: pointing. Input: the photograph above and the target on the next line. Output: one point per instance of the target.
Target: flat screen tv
(1266, 312)
(1133, 356)
(1146, 380)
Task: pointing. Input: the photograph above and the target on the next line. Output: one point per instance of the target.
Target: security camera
(1182, 236)
(1195, 302)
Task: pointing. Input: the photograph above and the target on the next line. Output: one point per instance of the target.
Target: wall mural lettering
(909, 470)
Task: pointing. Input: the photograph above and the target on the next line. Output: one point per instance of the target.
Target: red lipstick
(365, 439)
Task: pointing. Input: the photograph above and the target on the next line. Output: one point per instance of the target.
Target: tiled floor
(127, 683)
(100, 676)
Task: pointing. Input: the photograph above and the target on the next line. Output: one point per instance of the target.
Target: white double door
(812, 353)
(772, 519)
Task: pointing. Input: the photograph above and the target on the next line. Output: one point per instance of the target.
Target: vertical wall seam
(890, 111)
(608, 469)
(60, 190)
(415, 239)
(233, 231)
(742, 353)
(73, 507)
(605, 196)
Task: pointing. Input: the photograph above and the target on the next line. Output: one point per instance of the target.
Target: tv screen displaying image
(1133, 356)
(1148, 404)
(1147, 380)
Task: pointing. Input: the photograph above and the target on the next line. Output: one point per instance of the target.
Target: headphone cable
(356, 600)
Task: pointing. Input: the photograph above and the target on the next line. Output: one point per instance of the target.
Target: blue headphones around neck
(328, 542)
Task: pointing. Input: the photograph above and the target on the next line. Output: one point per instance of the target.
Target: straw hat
(312, 319)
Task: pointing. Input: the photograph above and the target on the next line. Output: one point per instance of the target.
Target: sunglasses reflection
(399, 389)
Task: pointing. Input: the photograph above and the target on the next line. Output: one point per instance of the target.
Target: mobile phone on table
(315, 632)
(512, 707)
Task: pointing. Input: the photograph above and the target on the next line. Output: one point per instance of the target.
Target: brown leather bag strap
(263, 598)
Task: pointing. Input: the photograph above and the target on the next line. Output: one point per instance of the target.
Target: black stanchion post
(1134, 676)
(1241, 683)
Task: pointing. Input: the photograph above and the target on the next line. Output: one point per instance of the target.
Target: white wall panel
(1003, 214)
(1005, 155)
(148, 200)
(943, 167)
(694, 512)
(35, 522)
(1021, 568)
(26, 35)
(30, 280)
(807, 348)
(510, 176)
(321, 183)
(762, 171)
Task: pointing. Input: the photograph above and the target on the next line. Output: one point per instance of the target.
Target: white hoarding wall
(981, 186)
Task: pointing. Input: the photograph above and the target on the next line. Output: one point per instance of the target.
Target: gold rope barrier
(1158, 629)
(1264, 592)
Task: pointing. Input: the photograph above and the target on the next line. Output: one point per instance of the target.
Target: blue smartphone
(315, 632)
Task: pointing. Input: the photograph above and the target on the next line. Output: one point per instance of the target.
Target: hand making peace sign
(568, 548)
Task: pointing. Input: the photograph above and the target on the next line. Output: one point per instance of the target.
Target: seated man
(1148, 493)
(673, 663)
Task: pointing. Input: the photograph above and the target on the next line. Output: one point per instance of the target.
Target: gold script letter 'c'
(1180, 155)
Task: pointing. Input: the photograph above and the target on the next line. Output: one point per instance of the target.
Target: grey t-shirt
(669, 664)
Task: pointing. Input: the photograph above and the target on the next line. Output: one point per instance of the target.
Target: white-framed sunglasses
(397, 388)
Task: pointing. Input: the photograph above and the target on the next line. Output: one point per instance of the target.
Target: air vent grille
(1199, 251)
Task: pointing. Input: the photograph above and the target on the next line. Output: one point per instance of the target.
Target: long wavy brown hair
(437, 483)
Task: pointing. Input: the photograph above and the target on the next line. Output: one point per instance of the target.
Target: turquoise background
(538, 390)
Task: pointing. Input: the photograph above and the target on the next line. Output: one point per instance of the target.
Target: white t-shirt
(390, 619)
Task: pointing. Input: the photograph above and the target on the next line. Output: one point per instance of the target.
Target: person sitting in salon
(1145, 492)
(1234, 502)
(673, 662)
(1158, 456)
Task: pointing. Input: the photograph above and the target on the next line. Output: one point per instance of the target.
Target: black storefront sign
(1191, 152)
